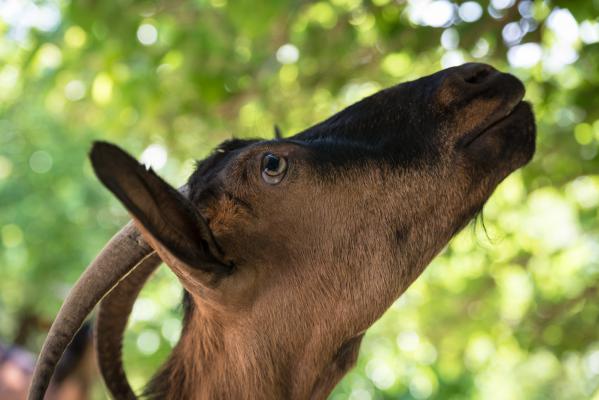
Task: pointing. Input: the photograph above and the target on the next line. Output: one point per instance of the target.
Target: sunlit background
(510, 313)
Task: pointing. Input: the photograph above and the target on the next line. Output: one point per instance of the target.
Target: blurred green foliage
(510, 314)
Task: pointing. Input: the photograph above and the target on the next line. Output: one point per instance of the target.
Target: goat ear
(168, 216)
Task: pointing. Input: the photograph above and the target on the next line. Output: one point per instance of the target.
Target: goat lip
(471, 137)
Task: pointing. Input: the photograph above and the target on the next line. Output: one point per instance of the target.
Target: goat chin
(289, 249)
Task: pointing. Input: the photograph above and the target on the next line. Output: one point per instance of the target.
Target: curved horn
(122, 253)
(111, 322)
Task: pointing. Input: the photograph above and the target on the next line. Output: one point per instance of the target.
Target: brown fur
(316, 296)
(284, 279)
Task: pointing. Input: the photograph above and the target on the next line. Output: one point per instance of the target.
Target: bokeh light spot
(12, 235)
(563, 24)
(171, 330)
(40, 162)
(450, 39)
(512, 33)
(502, 4)
(592, 362)
(75, 37)
(422, 385)
(408, 341)
(583, 133)
(155, 156)
(360, 394)
(481, 48)
(525, 55)
(436, 14)
(49, 56)
(102, 88)
(74, 90)
(396, 64)
(525, 8)
(470, 11)
(585, 191)
(452, 58)
(589, 32)
(148, 342)
(382, 375)
(5, 167)
(147, 34)
(287, 54)
(144, 309)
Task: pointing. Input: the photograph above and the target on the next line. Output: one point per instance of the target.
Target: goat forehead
(207, 169)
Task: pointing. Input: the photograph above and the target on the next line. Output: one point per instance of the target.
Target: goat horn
(111, 322)
(122, 254)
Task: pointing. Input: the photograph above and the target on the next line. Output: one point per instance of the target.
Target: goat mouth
(493, 122)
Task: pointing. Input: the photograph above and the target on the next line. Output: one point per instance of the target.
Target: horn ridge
(111, 322)
(122, 254)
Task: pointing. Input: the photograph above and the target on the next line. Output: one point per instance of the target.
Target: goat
(289, 249)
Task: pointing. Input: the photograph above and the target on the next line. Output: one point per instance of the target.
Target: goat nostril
(463, 82)
(477, 75)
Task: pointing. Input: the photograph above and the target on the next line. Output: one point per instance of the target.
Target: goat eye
(273, 168)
